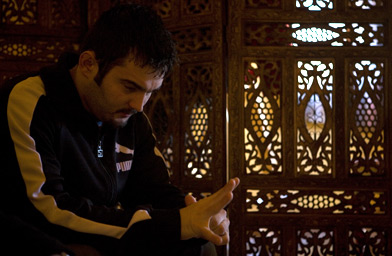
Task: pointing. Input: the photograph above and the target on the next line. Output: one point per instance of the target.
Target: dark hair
(130, 28)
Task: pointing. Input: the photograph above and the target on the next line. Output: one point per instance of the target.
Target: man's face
(124, 91)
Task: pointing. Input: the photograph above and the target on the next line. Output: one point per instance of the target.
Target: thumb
(223, 197)
(189, 199)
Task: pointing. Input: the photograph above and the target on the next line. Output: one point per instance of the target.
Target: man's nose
(138, 101)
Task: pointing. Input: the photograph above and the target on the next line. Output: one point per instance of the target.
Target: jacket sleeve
(149, 181)
(149, 184)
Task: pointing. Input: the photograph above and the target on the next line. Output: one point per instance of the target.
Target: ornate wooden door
(310, 127)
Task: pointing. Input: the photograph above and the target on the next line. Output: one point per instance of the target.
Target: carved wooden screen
(33, 33)
(188, 113)
(309, 133)
(310, 129)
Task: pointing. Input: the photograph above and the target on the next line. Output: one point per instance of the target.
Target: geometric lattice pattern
(320, 34)
(193, 39)
(315, 5)
(19, 12)
(264, 241)
(366, 118)
(314, 117)
(367, 241)
(316, 156)
(366, 4)
(39, 50)
(19, 49)
(160, 109)
(198, 141)
(335, 202)
(316, 150)
(197, 7)
(66, 14)
(63, 13)
(262, 133)
(60, 15)
(315, 242)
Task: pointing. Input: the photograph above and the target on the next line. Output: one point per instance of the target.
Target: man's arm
(204, 219)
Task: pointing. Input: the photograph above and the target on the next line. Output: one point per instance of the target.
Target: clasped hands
(207, 218)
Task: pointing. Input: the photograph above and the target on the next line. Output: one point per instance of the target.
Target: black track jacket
(53, 173)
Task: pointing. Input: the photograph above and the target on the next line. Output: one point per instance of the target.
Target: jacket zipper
(112, 190)
(100, 149)
(111, 181)
(100, 138)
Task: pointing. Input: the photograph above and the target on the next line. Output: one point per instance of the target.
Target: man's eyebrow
(139, 87)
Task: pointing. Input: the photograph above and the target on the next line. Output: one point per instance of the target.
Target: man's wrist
(187, 231)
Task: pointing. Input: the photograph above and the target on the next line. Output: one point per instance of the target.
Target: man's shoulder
(9, 84)
(30, 88)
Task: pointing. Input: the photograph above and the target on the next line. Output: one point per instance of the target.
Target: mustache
(127, 111)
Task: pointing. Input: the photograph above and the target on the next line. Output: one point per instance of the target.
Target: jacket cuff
(161, 231)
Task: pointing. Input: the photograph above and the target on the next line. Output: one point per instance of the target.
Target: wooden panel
(33, 33)
(308, 106)
(189, 112)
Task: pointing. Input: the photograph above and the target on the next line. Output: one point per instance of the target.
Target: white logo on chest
(124, 158)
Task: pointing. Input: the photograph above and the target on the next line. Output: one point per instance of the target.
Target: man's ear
(88, 64)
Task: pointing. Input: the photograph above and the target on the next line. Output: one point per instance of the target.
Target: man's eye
(130, 88)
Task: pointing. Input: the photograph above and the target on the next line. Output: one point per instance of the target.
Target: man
(80, 163)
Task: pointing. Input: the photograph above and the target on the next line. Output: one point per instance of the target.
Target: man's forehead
(143, 64)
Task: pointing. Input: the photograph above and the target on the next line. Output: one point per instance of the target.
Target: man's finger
(222, 197)
(225, 238)
(214, 238)
(189, 199)
(222, 228)
(228, 188)
(218, 218)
